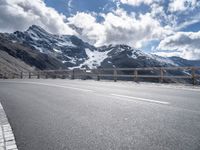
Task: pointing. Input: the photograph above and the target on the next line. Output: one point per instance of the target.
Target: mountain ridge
(43, 50)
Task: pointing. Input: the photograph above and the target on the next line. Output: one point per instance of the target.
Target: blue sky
(163, 27)
(181, 15)
(71, 7)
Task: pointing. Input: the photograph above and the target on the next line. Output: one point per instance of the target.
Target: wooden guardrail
(163, 74)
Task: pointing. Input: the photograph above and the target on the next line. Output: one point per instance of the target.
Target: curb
(7, 139)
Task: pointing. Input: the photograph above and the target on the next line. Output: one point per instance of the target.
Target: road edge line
(7, 138)
(141, 99)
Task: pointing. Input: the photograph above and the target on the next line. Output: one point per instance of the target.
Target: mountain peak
(36, 28)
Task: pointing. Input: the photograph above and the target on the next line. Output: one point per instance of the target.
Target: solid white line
(6, 132)
(53, 85)
(142, 99)
(67, 87)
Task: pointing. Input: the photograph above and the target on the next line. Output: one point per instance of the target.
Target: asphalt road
(89, 115)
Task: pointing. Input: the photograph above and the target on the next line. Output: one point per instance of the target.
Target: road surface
(74, 114)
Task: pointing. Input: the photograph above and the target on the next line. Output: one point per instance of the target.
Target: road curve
(74, 114)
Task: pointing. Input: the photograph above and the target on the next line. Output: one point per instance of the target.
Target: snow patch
(64, 61)
(38, 48)
(33, 35)
(65, 43)
(71, 60)
(138, 53)
(95, 58)
(57, 51)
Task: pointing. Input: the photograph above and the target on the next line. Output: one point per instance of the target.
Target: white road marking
(7, 139)
(67, 87)
(141, 99)
(54, 85)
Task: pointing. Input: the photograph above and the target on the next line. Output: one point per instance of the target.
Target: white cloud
(92, 32)
(119, 28)
(158, 13)
(181, 5)
(186, 44)
(20, 14)
(136, 2)
(186, 24)
(70, 6)
(167, 54)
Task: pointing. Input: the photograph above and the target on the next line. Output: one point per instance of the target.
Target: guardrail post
(115, 75)
(97, 73)
(21, 75)
(98, 78)
(13, 76)
(72, 76)
(4, 75)
(161, 75)
(55, 75)
(135, 75)
(63, 75)
(84, 74)
(29, 75)
(193, 76)
(38, 74)
(46, 75)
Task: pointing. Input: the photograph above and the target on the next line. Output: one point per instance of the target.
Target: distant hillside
(184, 62)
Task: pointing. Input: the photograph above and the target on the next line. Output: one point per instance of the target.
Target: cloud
(186, 24)
(185, 44)
(118, 27)
(136, 2)
(158, 12)
(20, 14)
(182, 5)
(70, 6)
(91, 31)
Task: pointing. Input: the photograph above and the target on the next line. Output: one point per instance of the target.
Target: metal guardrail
(160, 73)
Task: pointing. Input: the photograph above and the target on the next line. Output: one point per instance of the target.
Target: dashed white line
(141, 99)
(53, 85)
(61, 86)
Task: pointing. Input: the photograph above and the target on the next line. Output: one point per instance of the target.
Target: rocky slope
(28, 54)
(12, 65)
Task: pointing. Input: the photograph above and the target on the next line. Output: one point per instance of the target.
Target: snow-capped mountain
(72, 52)
(123, 56)
(22, 53)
